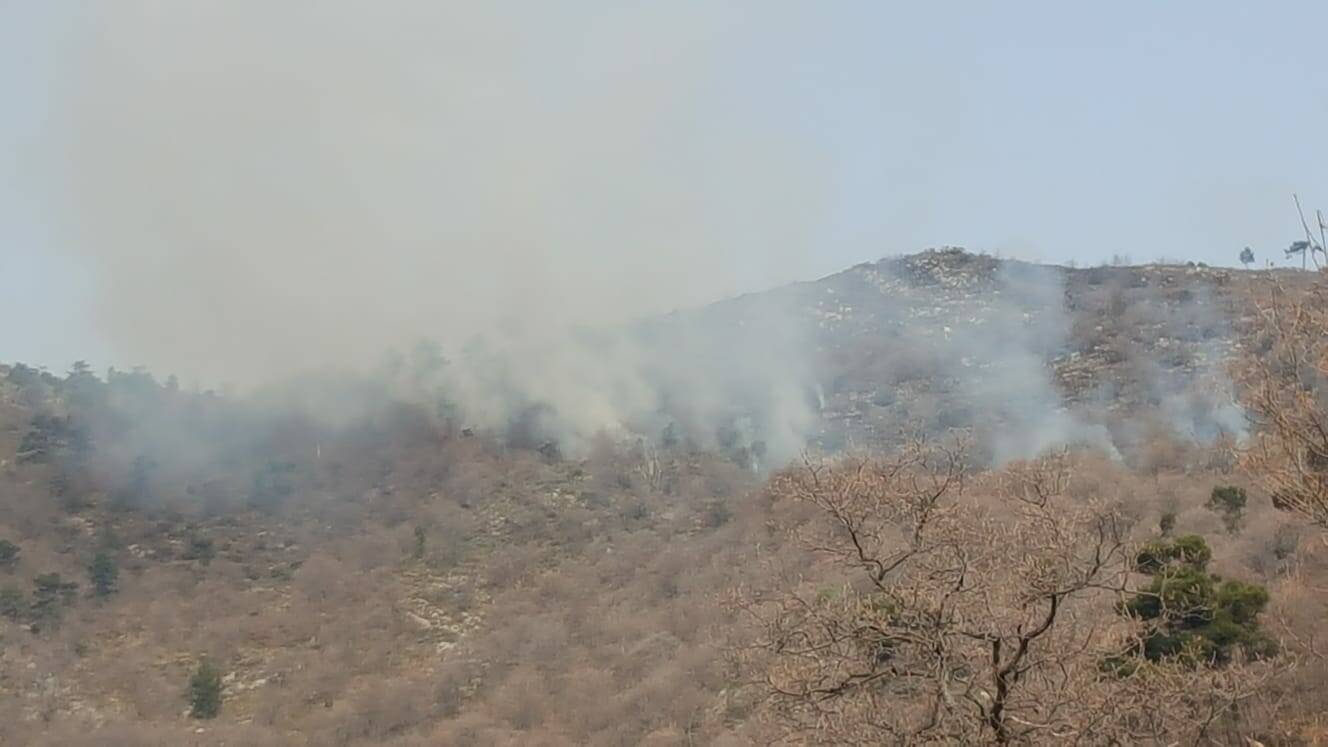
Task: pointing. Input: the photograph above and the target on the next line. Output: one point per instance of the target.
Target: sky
(293, 183)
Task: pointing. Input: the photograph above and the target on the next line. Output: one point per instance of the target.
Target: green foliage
(24, 376)
(1191, 615)
(418, 552)
(1229, 501)
(82, 387)
(50, 438)
(1189, 549)
(64, 490)
(104, 574)
(8, 554)
(13, 604)
(205, 691)
(200, 549)
(50, 593)
(1180, 595)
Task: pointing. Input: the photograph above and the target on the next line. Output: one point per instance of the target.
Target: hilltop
(946, 339)
(405, 575)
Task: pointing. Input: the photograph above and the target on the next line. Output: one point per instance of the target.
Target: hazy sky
(181, 176)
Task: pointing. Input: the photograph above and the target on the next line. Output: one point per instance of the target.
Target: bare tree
(1308, 247)
(648, 466)
(971, 609)
(1286, 391)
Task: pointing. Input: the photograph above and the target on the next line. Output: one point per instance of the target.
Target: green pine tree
(418, 552)
(205, 691)
(1228, 501)
(50, 593)
(1191, 615)
(8, 554)
(104, 574)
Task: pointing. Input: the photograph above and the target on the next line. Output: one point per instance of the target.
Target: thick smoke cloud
(261, 188)
(738, 376)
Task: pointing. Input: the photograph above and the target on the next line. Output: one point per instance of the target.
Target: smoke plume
(263, 189)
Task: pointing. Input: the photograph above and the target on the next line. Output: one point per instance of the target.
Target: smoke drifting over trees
(313, 190)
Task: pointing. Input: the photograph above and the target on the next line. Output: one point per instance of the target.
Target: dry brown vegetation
(1287, 391)
(397, 580)
(973, 611)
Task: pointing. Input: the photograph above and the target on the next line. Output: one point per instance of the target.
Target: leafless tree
(972, 609)
(648, 466)
(1308, 248)
(1286, 390)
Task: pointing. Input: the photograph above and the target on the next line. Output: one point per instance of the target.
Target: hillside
(405, 574)
(952, 340)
